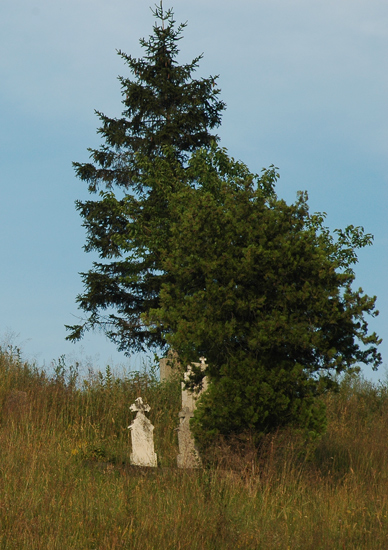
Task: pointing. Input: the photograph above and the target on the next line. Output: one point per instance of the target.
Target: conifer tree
(265, 292)
(167, 114)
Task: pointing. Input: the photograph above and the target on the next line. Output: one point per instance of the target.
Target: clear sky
(306, 88)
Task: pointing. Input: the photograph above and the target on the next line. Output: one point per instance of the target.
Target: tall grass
(66, 480)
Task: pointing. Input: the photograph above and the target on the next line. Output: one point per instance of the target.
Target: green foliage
(163, 107)
(264, 291)
(200, 255)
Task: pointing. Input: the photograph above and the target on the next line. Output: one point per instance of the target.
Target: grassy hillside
(66, 482)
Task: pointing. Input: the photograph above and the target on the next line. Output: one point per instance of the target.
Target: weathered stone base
(188, 456)
(144, 460)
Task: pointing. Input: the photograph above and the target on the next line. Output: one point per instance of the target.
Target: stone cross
(143, 453)
(188, 456)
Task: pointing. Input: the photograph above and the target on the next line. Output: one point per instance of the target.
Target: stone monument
(169, 365)
(188, 454)
(143, 453)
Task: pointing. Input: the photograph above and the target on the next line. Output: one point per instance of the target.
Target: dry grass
(66, 482)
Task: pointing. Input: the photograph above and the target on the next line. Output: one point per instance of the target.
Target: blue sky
(306, 87)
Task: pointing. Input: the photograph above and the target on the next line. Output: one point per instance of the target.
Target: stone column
(188, 454)
(169, 365)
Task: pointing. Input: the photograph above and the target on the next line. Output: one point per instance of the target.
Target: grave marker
(143, 453)
(188, 454)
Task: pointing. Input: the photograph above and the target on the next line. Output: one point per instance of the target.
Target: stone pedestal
(188, 455)
(143, 453)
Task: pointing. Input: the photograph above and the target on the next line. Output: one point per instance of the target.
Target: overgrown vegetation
(66, 482)
(197, 255)
(263, 290)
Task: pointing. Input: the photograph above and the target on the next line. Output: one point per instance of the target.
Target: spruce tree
(167, 115)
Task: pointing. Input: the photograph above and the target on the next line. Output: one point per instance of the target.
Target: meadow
(66, 481)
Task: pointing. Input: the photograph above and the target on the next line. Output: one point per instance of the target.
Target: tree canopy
(164, 107)
(265, 292)
(200, 255)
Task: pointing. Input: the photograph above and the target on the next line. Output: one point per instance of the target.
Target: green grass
(66, 481)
